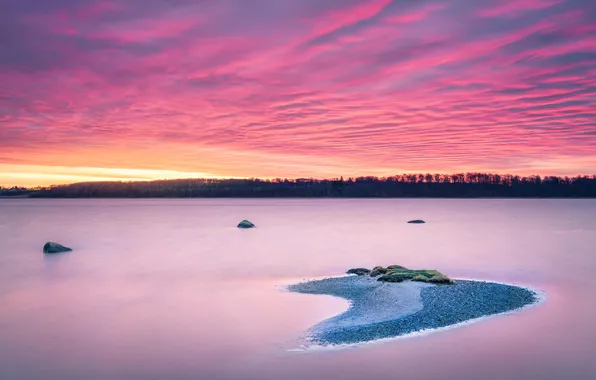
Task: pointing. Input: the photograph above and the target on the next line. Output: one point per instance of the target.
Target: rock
(417, 221)
(245, 224)
(397, 273)
(441, 279)
(391, 278)
(378, 271)
(359, 271)
(51, 247)
(396, 267)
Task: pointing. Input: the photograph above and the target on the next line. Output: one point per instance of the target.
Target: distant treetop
(461, 185)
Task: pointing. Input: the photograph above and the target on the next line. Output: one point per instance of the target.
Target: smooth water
(171, 289)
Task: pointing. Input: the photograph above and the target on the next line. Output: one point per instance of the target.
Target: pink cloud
(228, 89)
(515, 7)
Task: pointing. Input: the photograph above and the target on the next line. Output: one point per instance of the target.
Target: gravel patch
(386, 310)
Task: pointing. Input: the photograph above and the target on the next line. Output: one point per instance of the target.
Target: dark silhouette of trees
(16, 191)
(460, 185)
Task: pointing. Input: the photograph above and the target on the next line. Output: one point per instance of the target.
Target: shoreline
(323, 197)
(328, 335)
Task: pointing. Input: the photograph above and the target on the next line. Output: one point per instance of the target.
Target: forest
(463, 185)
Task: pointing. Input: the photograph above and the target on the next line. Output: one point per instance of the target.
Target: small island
(388, 302)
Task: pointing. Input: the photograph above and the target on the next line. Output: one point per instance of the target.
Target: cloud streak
(300, 88)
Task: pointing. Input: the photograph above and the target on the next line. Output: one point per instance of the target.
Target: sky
(130, 90)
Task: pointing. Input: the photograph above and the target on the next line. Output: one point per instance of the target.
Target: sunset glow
(137, 90)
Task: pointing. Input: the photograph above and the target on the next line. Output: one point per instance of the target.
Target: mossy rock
(358, 271)
(441, 279)
(377, 271)
(416, 221)
(52, 247)
(397, 273)
(396, 267)
(391, 278)
(246, 224)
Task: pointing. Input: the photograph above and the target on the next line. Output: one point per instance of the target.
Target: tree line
(16, 191)
(463, 185)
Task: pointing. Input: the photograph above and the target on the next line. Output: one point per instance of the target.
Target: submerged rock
(417, 221)
(358, 271)
(51, 247)
(246, 224)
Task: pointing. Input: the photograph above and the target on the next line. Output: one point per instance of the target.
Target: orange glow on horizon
(38, 175)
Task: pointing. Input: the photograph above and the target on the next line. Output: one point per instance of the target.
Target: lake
(171, 289)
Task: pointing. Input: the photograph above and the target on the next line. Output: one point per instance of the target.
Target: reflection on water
(171, 289)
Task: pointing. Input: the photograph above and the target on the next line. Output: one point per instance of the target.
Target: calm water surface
(171, 289)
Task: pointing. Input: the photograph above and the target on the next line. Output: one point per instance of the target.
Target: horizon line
(295, 179)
